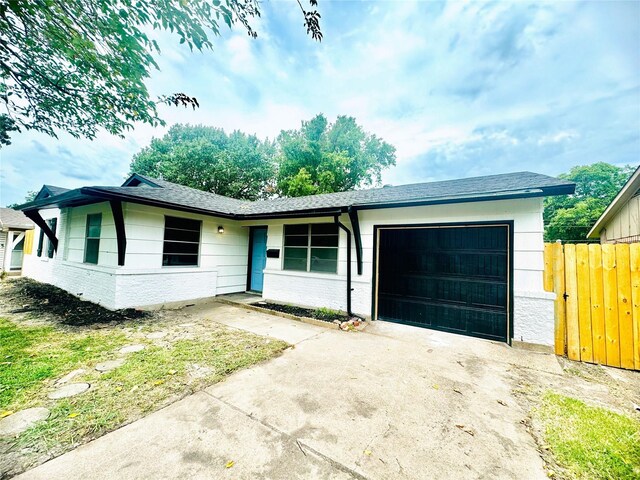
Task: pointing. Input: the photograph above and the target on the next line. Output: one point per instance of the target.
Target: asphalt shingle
(10, 218)
(462, 190)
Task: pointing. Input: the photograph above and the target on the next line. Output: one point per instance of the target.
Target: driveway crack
(302, 446)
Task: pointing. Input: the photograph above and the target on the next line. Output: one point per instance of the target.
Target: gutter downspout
(349, 312)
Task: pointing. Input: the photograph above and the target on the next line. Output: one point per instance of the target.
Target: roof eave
(528, 193)
(104, 195)
(88, 195)
(67, 199)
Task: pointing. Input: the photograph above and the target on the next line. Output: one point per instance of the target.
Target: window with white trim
(181, 246)
(53, 223)
(92, 238)
(311, 248)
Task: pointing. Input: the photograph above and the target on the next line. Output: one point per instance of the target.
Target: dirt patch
(323, 314)
(28, 296)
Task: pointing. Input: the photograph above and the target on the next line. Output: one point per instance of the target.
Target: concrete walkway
(390, 402)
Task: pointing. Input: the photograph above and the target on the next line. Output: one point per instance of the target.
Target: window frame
(87, 238)
(198, 243)
(53, 225)
(309, 247)
(40, 248)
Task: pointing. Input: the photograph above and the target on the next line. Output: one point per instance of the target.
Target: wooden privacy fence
(597, 307)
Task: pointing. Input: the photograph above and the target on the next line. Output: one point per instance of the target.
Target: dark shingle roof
(177, 195)
(56, 190)
(448, 189)
(10, 218)
(170, 195)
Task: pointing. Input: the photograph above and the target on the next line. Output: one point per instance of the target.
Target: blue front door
(258, 257)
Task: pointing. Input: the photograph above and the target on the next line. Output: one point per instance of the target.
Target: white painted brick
(534, 317)
(223, 261)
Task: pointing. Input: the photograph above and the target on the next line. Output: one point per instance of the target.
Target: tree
(569, 218)
(78, 65)
(321, 157)
(235, 165)
(30, 196)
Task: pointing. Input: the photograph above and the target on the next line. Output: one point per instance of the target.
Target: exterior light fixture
(220, 229)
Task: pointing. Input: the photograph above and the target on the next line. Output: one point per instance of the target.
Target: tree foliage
(323, 157)
(569, 218)
(235, 165)
(319, 158)
(78, 65)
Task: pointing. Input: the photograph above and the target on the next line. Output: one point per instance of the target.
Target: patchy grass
(37, 347)
(589, 442)
(31, 355)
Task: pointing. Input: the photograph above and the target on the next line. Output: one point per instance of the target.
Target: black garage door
(454, 279)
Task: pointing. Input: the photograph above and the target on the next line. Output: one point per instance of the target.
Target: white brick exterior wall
(533, 317)
(533, 307)
(142, 281)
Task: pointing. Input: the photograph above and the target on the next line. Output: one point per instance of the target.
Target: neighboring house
(462, 256)
(620, 222)
(13, 227)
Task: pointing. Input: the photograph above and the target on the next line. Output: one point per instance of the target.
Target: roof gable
(137, 180)
(50, 191)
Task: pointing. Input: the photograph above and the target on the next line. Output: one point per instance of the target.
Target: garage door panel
(448, 318)
(436, 288)
(449, 278)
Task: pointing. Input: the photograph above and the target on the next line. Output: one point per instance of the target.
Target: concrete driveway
(391, 402)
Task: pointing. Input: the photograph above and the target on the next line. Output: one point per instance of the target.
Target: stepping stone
(69, 390)
(156, 335)
(132, 348)
(22, 420)
(109, 365)
(198, 371)
(69, 376)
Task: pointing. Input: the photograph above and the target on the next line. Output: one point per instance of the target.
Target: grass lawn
(36, 350)
(589, 442)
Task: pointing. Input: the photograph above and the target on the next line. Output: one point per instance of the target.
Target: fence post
(584, 302)
(571, 287)
(548, 267)
(634, 261)
(625, 318)
(597, 304)
(610, 284)
(559, 304)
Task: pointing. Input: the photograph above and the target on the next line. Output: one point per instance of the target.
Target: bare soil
(23, 295)
(318, 314)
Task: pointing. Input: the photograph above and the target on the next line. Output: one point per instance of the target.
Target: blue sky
(459, 88)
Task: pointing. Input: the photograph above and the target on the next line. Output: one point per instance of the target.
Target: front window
(92, 242)
(311, 248)
(181, 242)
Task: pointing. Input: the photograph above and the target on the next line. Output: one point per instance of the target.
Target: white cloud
(558, 137)
(461, 88)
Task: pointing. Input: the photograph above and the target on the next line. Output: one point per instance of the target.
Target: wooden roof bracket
(121, 236)
(35, 216)
(355, 225)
